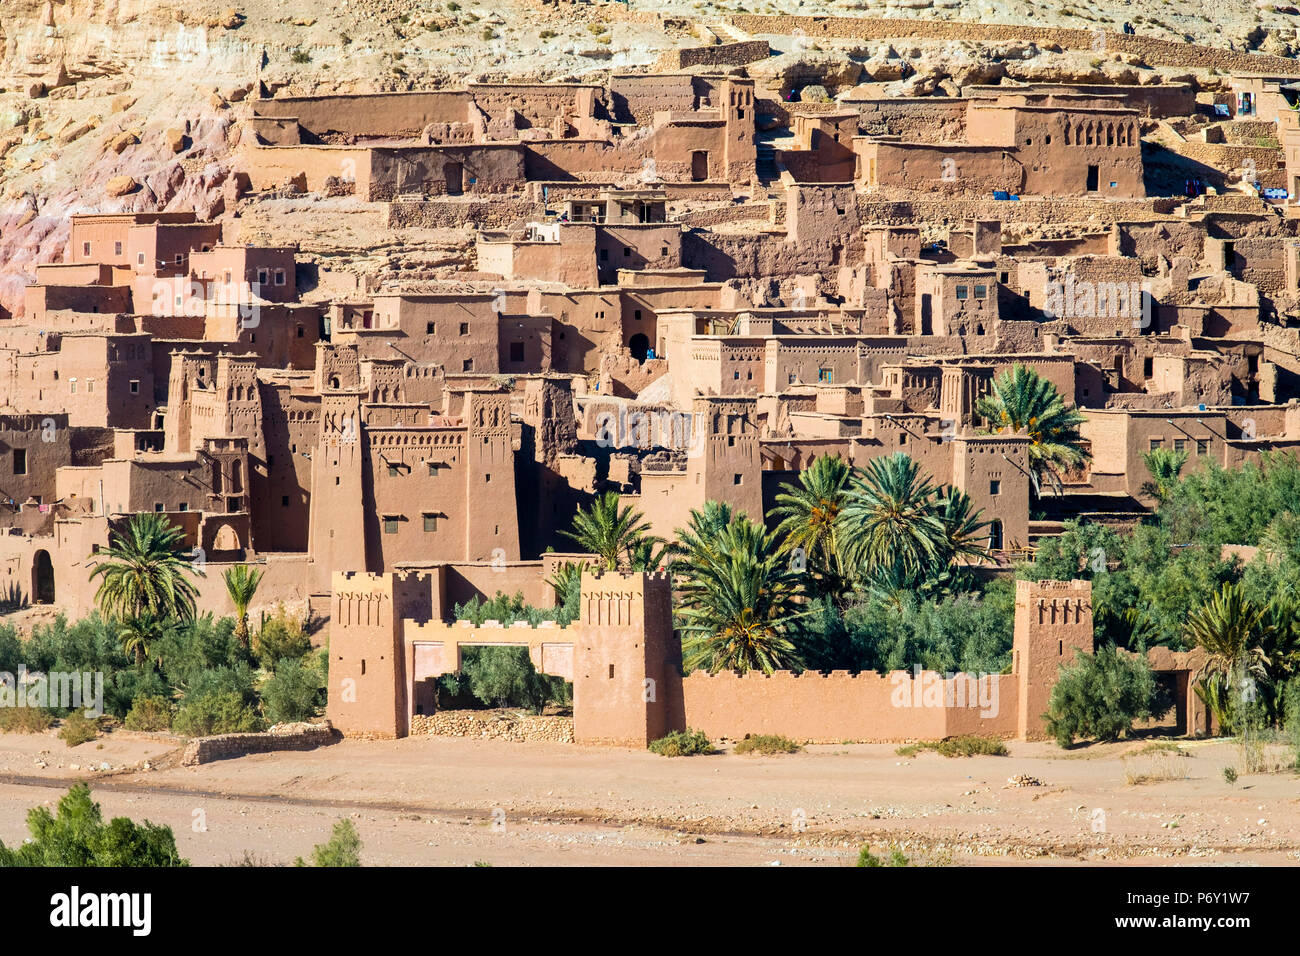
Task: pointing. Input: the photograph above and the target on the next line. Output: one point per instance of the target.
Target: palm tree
(1022, 401)
(890, 518)
(964, 534)
(137, 632)
(144, 569)
(612, 533)
(1164, 464)
(737, 598)
(241, 585)
(1231, 629)
(810, 516)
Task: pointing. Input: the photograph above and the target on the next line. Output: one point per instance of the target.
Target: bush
(217, 712)
(281, 637)
(25, 720)
(149, 713)
(767, 744)
(682, 743)
(867, 858)
(78, 729)
(342, 849)
(505, 677)
(78, 836)
(965, 745)
(1100, 696)
(293, 692)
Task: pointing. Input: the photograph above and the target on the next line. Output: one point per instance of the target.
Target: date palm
(964, 534)
(1231, 629)
(1165, 465)
(609, 531)
(241, 585)
(737, 597)
(809, 514)
(1022, 401)
(889, 518)
(138, 632)
(144, 569)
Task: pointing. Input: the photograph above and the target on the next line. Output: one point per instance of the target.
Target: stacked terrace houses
(681, 287)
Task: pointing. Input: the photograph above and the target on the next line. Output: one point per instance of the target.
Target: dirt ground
(447, 801)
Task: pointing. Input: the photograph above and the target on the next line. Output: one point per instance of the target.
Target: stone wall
(498, 213)
(494, 724)
(301, 736)
(721, 54)
(1151, 50)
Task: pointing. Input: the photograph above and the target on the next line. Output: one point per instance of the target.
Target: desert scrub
(896, 858)
(25, 720)
(489, 34)
(149, 713)
(1100, 695)
(767, 744)
(300, 56)
(78, 729)
(682, 743)
(966, 745)
(547, 35)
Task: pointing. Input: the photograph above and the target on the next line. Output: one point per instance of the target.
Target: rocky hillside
(109, 105)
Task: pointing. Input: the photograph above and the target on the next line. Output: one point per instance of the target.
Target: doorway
(699, 165)
(42, 578)
(455, 176)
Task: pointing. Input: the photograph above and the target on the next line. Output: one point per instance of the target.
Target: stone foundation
(497, 724)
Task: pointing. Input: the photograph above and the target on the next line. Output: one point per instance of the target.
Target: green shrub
(1100, 696)
(217, 712)
(293, 692)
(1230, 774)
(867, 858)
(78, 729)
(300, 56)
(547, 35)
(965, 745)
(25, 720)
(682, 743)
(149, 713)
(767, 744)
(505, 677)
(281, 637)
(342, 849)
(78, 836)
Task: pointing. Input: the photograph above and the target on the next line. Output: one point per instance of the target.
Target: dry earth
(442, 801)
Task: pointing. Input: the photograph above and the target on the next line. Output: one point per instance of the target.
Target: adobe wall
(841, 707)
(269, 167)
(499, 212)
(365, 115)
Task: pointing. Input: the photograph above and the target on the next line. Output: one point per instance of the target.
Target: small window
(464, 328)
(390, 524)
(72, 386)
(1202, 446)
(825, 375)
(394, 471)
(180, 257)
(139, 258)
(90, 385)
(20, 461)
(1180, 444)
(117, 248)
(135, 386)
(85, 249)
(263, 277)
(467, 365)
(962, 292)
(300, 331)
(158, 506)
(737, 479)
(516, 351)
(487, 478)
(981, 292)
(279, 277)
(430, 328)
(1156, 443)
(430, 522)
(995, 487)
(183, 506)
(284, 501)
